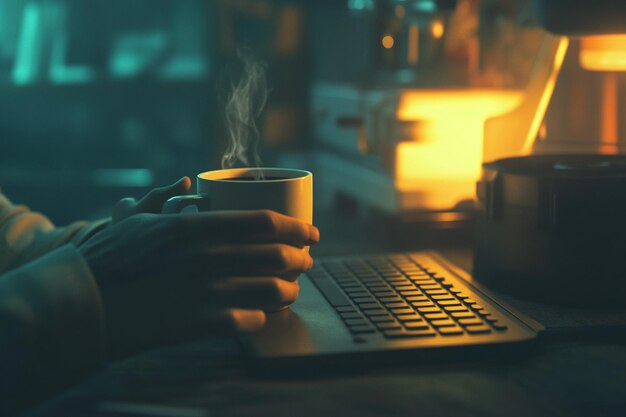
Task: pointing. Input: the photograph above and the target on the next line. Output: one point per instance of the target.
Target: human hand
(151, 202)
(170, 278)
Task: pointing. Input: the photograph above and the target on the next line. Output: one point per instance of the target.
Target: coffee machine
(445, 85)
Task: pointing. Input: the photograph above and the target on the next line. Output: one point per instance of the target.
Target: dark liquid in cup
(267, 178)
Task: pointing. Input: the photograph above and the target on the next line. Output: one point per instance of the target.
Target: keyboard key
(346, 309)
(429, 309)
(366, 328)
(401, 304)
(466, 322)
(376, 288)
(462, 314)
(405, 288)
(382, 319)
(356, 322)
(435, 292)
(376, 312)
(416, 325)
(356, 294)
(395, 334)
(476, 329)
(418, 298)
(462, 295)
(411, 293)
(410, 317)
(443, 323)
(436, 316)
(450, 331)
(420, 304)
(372, 281)
(429, 287)
(448, 303)
(397, 281)
(349, 315)
(402, 311)
(443, 297)
(365, 300)
(391, 299)
(416, 274)
(384, 293)
(349, 284)
(498, 325)
(389, 325)
(455, 308)
(477, 307)
(369, 306)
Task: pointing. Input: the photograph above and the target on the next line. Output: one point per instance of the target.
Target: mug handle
(178, 203)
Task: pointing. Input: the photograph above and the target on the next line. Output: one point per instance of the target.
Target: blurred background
(101, 100)
(394, 104)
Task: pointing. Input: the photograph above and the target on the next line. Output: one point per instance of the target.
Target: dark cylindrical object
(581, 17)
(553, 228)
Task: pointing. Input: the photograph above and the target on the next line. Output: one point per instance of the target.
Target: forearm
(26, 235)
(51, 328)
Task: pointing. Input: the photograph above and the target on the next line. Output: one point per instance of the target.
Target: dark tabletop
(573, 373)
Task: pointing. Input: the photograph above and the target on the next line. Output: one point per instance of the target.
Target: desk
(568, 377)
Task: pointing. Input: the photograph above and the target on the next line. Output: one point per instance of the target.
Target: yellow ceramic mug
(286, 191)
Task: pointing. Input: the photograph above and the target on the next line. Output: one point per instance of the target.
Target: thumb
(154, 200)
(123, 209)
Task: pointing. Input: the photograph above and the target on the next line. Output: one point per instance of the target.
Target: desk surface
(570, 376)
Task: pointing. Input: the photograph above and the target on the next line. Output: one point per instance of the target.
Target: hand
(151, 202)
(169, 278)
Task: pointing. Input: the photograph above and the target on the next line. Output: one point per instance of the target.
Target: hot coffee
(267, 178)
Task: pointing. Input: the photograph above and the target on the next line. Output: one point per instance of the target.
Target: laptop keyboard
(400, 298)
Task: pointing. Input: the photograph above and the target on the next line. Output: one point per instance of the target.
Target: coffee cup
(286, 191)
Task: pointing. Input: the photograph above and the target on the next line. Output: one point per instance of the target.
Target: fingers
(253, 226)
(253, 260)
(266, 293)
(154, 200)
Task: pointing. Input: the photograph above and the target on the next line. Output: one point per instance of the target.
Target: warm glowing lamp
(603, 53)
(447, 146)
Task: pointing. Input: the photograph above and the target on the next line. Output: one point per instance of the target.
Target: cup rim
(230, 173)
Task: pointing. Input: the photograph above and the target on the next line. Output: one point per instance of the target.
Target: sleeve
(26, 235)
(51, 327)
(51, 317)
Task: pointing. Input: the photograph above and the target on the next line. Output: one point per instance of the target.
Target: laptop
(385, 309)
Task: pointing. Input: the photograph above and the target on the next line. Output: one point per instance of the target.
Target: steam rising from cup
(243, 106)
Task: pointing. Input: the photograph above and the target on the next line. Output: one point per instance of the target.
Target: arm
(26, 235)
(51, 327)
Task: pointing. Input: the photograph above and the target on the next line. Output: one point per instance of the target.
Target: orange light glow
(448, 138)
(388, 41)
(603, 53)
(437, 29)
(400, 12)
(545, 97)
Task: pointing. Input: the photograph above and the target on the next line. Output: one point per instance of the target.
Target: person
(75, 297)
